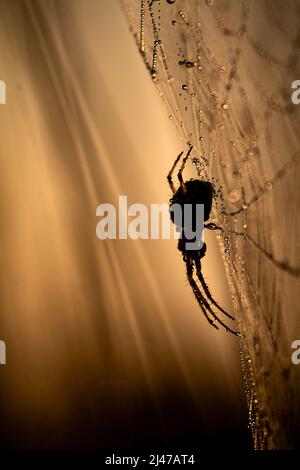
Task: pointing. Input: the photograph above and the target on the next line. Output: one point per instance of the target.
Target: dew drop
(234, 195)
(268, 185)
(296, 156)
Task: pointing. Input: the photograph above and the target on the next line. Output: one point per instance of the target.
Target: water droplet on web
(234, 195)
(171, 1)
(296, 157)
(269, 185)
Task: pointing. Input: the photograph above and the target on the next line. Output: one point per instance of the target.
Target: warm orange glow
(92, 327)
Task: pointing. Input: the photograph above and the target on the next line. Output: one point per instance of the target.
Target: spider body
(195, 192)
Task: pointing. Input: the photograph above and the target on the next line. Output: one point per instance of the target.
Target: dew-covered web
(224, 69)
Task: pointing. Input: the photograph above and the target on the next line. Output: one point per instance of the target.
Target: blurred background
(106, 346)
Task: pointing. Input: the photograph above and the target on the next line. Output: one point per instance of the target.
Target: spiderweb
(224, 69)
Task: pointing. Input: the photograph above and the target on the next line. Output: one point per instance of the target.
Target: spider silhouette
(196, 192)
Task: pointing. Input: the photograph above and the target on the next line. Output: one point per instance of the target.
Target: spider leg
(205, 307)
(183, 165)
(206, 289)
(208, 307)
(197, 293)
(169, 177)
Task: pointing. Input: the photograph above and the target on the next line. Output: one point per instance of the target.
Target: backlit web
(224, 69)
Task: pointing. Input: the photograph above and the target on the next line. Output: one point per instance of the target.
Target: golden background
(105, 343)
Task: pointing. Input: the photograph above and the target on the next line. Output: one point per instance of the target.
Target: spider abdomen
(193, 192)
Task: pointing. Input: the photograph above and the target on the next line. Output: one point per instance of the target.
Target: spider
(196, 192)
